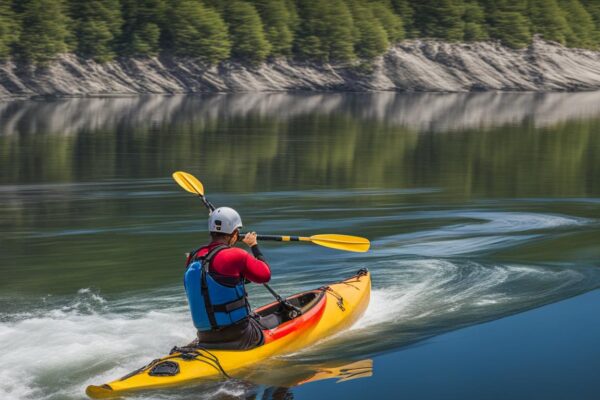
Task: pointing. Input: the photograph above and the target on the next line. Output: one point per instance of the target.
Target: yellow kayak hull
(344, 302)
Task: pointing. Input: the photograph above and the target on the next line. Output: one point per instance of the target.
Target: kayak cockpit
(274, 314)
(275, 317)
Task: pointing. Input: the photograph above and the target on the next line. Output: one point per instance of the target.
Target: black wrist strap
(257, 253)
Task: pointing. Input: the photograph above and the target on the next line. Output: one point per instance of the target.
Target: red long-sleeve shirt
(237, 263)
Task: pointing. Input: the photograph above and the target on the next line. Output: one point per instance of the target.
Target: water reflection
(278, 373)
(498, 144)
(420, 111)
(275, 380)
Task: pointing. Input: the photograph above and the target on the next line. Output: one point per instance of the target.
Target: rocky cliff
(416, 65)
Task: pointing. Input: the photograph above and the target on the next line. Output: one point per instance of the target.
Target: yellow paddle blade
(342, 242)
(188, 182)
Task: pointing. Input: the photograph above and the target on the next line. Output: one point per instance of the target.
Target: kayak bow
(325, 311)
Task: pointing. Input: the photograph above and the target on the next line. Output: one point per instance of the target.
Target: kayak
(324, 312)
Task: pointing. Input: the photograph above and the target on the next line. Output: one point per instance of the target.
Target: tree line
(252, 31)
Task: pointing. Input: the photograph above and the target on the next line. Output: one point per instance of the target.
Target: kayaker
(214, 283)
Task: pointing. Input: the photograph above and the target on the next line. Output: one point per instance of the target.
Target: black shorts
(243, 335)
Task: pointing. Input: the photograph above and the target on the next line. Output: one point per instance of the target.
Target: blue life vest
(213, 305)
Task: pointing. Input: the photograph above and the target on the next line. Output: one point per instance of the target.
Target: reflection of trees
(250, 142)
(340, 150)
(516, 161)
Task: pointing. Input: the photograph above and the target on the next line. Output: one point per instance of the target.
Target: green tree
(391, 22)
(582, 29)
(548, 20)
(142, 28)
(511, 28)
(279, 19)
(474, 20)
(370, 38)
(440, 19)
(218, 5)
(508, 22)
(325, 32)
(97, 25)
(245, 27)
(593, 8)
(195, 30)
(404, 9)
(9, 28)
(43, 30)
(332, 30)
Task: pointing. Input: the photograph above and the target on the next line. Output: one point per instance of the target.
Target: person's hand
(250, 239)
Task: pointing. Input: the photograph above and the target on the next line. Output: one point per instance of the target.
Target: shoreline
(411, 66)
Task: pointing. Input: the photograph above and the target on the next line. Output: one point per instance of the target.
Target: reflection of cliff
(424, 111)
(538, 143)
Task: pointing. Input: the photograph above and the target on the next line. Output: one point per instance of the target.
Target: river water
(478, 206)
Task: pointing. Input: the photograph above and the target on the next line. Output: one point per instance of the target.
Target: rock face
(413, 66)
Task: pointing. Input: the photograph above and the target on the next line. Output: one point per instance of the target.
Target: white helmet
(224, 220)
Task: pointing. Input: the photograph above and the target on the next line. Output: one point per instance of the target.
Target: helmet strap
(234, 236)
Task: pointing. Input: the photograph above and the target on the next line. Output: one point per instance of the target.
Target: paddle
(192, 185)
(333, 241)
(340, 242)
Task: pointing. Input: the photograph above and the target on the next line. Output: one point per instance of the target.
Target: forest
(253, 31)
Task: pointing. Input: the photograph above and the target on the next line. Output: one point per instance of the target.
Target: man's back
(222, 296)
(234, 264)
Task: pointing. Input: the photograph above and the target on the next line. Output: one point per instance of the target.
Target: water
(478, 207)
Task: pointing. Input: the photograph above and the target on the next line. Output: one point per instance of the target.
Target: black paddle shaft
(207, 203)
(275, 238)
(293, 311)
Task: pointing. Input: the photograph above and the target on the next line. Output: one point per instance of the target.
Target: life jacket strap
(208, 257)
(228, 307)
(206, 260)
